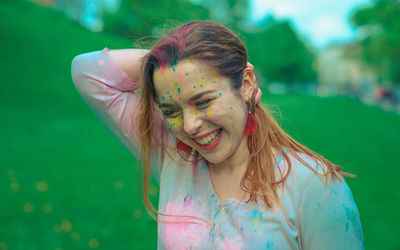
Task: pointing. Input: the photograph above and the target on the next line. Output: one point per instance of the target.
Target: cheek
(174, 124)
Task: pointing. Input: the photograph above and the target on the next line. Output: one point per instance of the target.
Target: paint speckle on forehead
(158, 78)
(175, 85)
(194, 86)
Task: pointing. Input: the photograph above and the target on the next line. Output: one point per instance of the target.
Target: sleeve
(109, 92)
(329, 218)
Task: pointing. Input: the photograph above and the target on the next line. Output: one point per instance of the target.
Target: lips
(214, 143)
(205, 135)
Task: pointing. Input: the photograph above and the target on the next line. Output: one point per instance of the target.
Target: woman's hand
(259, 92)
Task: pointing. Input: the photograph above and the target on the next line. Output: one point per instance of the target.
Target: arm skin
(129, 60)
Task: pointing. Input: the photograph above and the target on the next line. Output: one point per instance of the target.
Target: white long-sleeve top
(312, 215)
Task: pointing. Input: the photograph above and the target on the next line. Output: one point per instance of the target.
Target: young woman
(230, 177)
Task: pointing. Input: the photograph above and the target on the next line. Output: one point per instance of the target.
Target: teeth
(209, 139)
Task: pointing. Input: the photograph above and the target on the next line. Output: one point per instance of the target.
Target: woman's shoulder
(306, 172)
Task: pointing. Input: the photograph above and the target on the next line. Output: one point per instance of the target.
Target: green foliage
(137, 19)
(380, 44)
(280, 54)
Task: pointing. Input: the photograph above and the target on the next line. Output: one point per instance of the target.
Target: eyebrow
(191, 99)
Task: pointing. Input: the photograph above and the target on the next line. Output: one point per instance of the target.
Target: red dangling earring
(182, 146)
(251, 124)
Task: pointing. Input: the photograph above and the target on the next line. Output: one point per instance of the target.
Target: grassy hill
(67, 183)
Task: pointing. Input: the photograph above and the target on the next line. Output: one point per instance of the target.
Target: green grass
(62, 174)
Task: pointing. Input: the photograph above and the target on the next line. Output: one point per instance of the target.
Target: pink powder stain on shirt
(101, 62)
(231, 244)
(184, 235)
(188, 200)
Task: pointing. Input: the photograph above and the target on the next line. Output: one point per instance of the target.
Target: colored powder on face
(214, 81)
(208, 113)
(194, 86)
(230, 107)
(173, 69)
(219, 93)
(175, 85)
(179, 90)
(158, 78)
(200, 81)
(201, 85)
(186, 74)
(180, 76)
(163, 97)
(180, 98)
(170, 97)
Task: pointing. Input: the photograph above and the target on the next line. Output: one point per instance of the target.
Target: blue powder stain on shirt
(347, 226)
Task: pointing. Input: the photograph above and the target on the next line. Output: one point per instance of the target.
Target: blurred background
(331, 68)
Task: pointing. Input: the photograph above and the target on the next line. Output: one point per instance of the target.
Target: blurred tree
(233, 13)
(280, 53)
(379, 25)
(139, 18)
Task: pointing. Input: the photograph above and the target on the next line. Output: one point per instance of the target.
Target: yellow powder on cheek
(174, 124)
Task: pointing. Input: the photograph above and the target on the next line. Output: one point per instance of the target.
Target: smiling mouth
(209, 139)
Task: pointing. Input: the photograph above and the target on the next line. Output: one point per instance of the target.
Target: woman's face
(201, 109)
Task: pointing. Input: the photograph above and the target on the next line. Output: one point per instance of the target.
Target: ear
(248, 84)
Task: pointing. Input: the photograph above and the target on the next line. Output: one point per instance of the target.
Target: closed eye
(203, 103)
(171, 113)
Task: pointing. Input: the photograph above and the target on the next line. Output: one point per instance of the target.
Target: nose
(191, 123)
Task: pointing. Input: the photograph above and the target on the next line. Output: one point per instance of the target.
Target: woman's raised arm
(106, 80)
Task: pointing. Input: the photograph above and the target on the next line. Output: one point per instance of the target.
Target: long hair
(223, 51)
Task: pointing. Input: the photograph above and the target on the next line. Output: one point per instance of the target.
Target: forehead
(187, 77)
